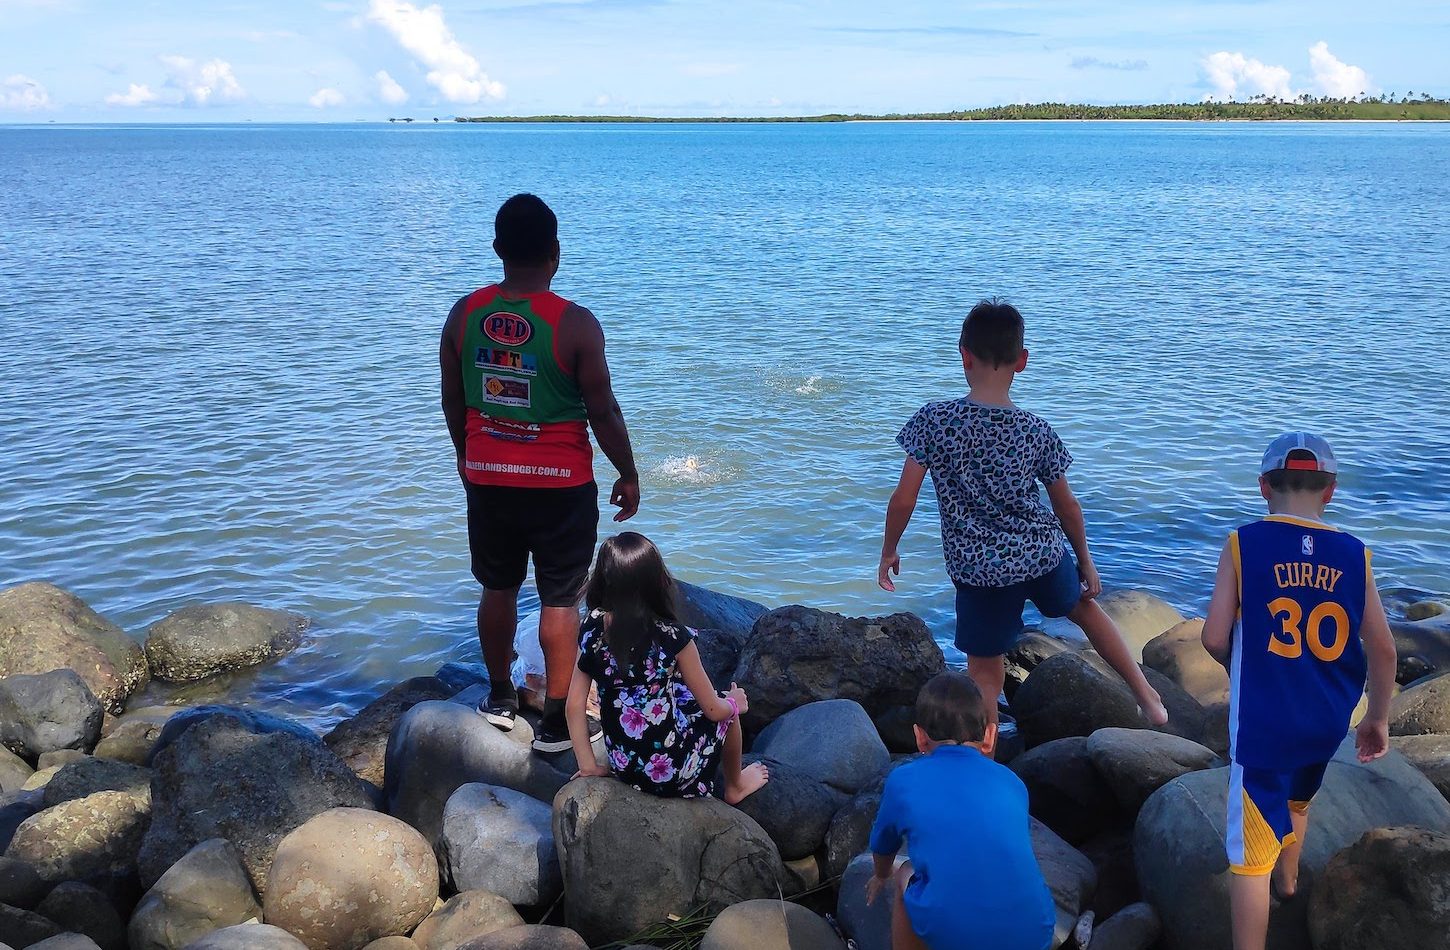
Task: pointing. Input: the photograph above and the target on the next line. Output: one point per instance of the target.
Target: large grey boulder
(46, 712)
(1390, 890)
(466, 916)
(14, 771)
(795, 808)
(1140, 617)
(362, 741)
(248, 937)
(499, 840)
(798, 655)
(44, 628)
(1076, 694)
(528, 937)
(1135, 763)
(79, 908)
(201, 640)
(20, 886)
(132, 736)
(1065, 792)
(66, 941)
(833, 741)
(1028, 653)
(90, 775)
(769, 925)
(1420, 622)
(1178, 654)
(254, 721)
(706, 609)
(438, 747)
(23, 928)
(630, 859)
(349, 876)
(206, 890)
(1183, 868)
(1428, 753)
(1135, 927)
(1422, 709)
(93, 837)
(220, 781)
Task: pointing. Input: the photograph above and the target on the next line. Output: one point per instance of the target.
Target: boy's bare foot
(752, 780)
(1152, 708)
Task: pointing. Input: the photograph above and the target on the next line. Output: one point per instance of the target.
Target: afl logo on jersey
(1307, 545)
(507, 329)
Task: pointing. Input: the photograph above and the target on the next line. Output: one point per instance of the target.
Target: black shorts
(558, 526)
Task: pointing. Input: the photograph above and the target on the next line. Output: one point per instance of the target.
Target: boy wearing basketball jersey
(1297, 620)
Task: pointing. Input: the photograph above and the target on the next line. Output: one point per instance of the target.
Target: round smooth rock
(392, 943)
(81, 909)
(1139, 616)
(1064, 791)
(350, 876)
(91, 775)
(24, 928)
(20, 885)
(14, 771)
(1178, 654)
(66, 941)
(466, 916)
(502, 841)
(47, 712)
(1135, 763)
(1428, 753)
(206, 890)
(769, 925)
(201, 640)
(44, 628)
(95, 836)
(528, 937)
(1422, 709)
(1076, 694)
(851, 760)
(794, 808)
(248, 937)
(131, 737)
(362, 741)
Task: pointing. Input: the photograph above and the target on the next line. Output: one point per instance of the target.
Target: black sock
(553, 710)
(503, 692)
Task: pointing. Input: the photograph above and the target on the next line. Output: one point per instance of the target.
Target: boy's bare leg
(1286, 871)
(1249, 897)
(902, 936)
(740, 783)
(989, 673)
(1105, 637)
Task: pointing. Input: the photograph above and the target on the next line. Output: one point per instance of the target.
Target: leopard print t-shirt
(986, 463)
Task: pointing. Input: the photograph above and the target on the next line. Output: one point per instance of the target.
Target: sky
(343, 60)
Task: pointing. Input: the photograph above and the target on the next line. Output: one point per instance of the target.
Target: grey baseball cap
(1277, 456)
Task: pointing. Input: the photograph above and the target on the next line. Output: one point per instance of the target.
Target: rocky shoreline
(413, 825)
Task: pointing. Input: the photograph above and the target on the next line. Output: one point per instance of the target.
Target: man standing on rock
(524, 380)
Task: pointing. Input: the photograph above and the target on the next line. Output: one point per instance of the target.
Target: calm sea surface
(218, 351)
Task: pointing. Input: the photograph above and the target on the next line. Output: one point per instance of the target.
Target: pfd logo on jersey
(507, 329)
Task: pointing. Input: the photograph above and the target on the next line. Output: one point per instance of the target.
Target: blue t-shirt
(987, 463)
(1298, 666)
(976, 881)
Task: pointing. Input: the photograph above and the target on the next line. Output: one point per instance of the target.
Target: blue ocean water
(218, 350)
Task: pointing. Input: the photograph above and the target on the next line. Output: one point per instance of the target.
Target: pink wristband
(734, 707)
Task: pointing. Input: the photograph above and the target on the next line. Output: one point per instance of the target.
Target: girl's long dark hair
(631, 583)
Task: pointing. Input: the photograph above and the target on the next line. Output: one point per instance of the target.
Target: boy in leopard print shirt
(1002, 545)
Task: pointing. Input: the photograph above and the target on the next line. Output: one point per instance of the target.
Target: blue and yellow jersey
(1298, 667)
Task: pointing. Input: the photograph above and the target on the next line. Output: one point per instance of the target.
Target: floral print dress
(658, 738)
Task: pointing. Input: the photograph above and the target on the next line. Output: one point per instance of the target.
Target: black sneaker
(501, 712)
(553, 735)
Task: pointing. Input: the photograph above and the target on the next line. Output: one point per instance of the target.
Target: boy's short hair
(1294, 480)
(949, 709)
(993, 332)
(525, 231)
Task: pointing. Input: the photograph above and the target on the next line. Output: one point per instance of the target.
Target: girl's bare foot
(1152, 708)
(752, 779)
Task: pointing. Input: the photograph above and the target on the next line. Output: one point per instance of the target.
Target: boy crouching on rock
(973, 879)
(1297, 620)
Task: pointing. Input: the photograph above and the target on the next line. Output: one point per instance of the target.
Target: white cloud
(201, 84)
(389, 90)
(326, 99)
(136, 95)
(23, 94)
(452, 70)
(1231, 74)
(1334, 78)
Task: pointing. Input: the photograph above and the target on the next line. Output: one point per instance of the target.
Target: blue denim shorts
(989, 619)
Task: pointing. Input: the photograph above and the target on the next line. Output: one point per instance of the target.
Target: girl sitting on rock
(667, 731)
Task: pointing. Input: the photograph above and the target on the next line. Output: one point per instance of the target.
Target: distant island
(1386, 107)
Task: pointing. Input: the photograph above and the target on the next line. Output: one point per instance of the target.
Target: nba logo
(1307, 545)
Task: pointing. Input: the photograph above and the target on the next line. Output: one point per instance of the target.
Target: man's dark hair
(949, 709)
(1294, 480)
(993, 332)
(525, 231)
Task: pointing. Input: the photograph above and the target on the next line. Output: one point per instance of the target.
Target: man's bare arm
(591, 372)
(450, 365)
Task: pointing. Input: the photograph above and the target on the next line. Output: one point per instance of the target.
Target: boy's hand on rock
(890, 564)
(874, 885)
(1092, 584)
(1372, 739)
